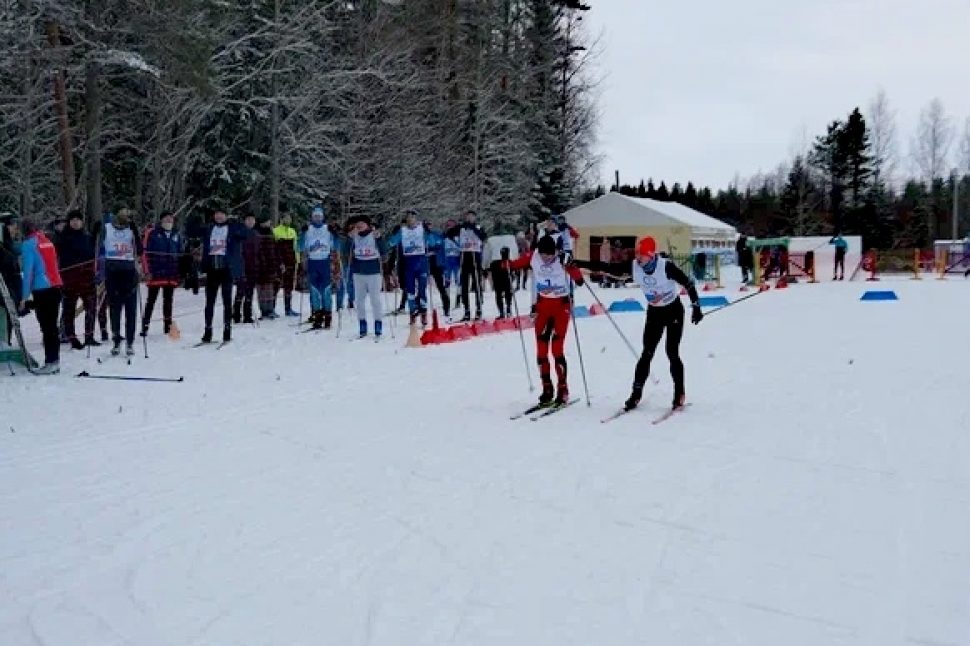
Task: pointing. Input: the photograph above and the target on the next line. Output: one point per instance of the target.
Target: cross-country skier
(436, 268)
(470, 237)
(121, 248)
(316, 245)
(415, 241)
(222, 264)
(553, 304)
(366, 249)
(661, 280)
(163, 255)
(42, 281)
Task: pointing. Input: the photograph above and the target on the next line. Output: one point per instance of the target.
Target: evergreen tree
(651, 189)
(690, 196)
(662, 193)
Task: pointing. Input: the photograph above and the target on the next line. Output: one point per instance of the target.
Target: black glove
(696, 315)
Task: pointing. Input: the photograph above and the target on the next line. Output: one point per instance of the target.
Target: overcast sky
(703, 89)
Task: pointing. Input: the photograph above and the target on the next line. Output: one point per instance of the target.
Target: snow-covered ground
(303, 489)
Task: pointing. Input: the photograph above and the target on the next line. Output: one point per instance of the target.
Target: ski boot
(363, 328)
(75, 344)
(316, 320)
(53, 368)
(90, 342)
(207, 335)
(634, 398)
(129, 350)
(327, 320)
(226, 334)
(546, 398)
(562, 394)
(679, 400)
(166, 326)
(116, 348)
(378, 330)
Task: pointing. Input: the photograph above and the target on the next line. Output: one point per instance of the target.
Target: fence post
(916, 269)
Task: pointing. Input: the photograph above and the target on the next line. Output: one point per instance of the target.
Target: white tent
(677, 228)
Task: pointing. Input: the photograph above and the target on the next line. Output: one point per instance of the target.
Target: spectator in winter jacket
(841, 246)
(164, 249)
(286, 248)
(122, 249)
(10, 267)
(222, 263)
(502, 283)
(268, 268)
(42, 282)
(75, 251)
(242, 307)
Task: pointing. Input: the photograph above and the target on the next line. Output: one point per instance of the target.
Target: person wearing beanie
(501, 277)
(42, 281)
(10, 267)
(366, 250)
(223, 264)
(122, 249)
(415, 240)
(661, 281)
(553, 285)
(162, 260)
(286, 248)
(268, 268)
(470, 237)
(242, 306)
(75, 252)
(316, 244)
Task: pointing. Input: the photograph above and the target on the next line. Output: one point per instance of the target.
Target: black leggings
(47, 302)
(471, 271)
(439, 280)
(216, 281)
(669, 318)
(122, 286)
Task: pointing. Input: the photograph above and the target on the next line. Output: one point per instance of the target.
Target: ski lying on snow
(108, 357)
(553, 409)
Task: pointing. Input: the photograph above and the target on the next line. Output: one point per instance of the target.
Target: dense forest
(849, 180)
(368, 106)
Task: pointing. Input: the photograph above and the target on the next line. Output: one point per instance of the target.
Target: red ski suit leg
(551, 325)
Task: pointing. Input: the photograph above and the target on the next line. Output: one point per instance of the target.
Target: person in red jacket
(553, 286)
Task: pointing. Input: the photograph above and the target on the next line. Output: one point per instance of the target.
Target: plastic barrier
(629, 305)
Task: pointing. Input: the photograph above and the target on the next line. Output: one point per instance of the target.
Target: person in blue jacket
(163, 255)
(841, 247)
(42, 282)
(317, 243)
(415, 241)
(222, 263)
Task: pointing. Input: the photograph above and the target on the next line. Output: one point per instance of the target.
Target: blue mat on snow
(629, 305)
(887, 295)
(713, 301)
(581, 311)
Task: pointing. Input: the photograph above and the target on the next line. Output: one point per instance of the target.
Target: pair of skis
(219, 346)
(86, 375)
(537, 412)
(667, 414)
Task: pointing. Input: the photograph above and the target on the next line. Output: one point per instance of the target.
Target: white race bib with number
(218, 241)
(119, 244)
(318, 242)
(412, 240)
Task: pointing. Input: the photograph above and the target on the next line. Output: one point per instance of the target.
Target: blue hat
(318, 210)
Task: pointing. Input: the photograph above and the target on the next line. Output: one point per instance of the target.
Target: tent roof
(614, 209)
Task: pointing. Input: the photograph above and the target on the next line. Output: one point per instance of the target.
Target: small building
(678, 230)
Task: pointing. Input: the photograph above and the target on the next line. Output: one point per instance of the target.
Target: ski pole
(743, 298)
(525, 355)
(141, 315)
(612, 320)
(579, 347)
(86, 375)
